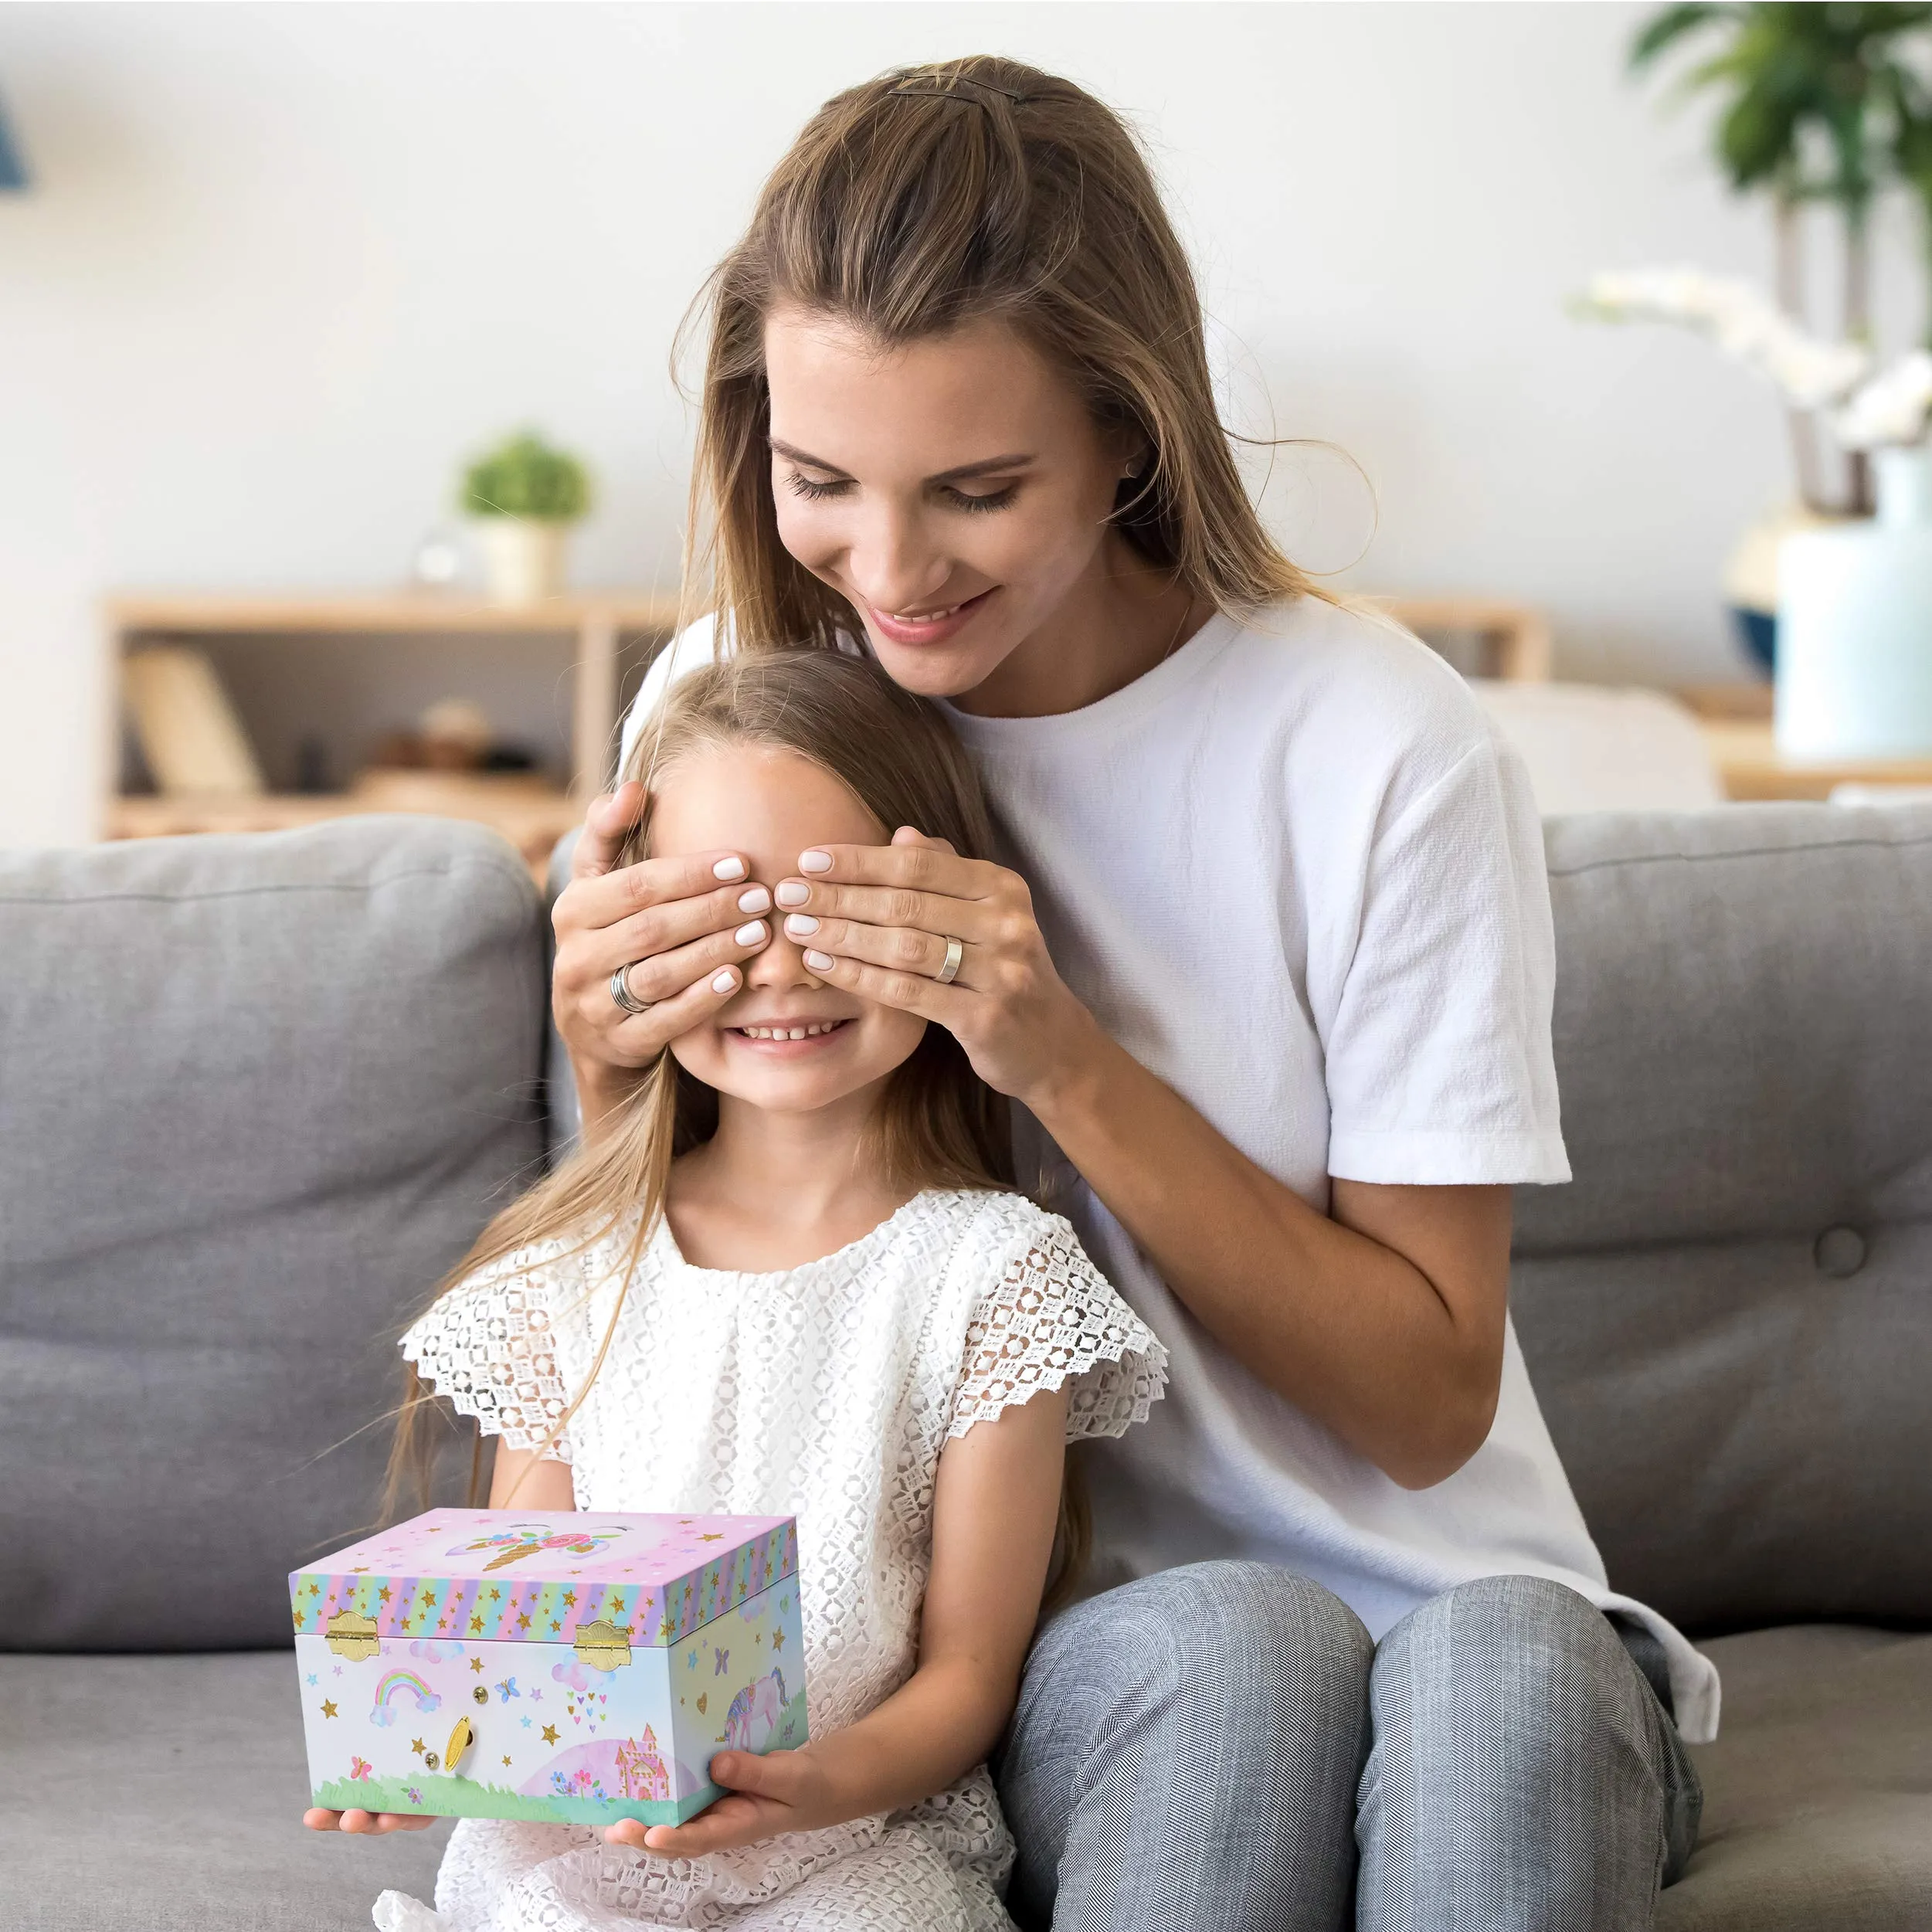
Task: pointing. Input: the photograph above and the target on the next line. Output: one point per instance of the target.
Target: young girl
(795, 1279)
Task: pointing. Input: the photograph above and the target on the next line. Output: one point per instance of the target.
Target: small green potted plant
(524, 496)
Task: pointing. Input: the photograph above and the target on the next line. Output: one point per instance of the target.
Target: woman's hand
(680, 926)
(877, 920)
(368, 1824)
(782, 1791)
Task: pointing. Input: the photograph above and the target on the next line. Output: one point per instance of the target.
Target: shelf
(532, 817)
(364, 612)
(1749, 762)
(1738, 731)
(593, 627)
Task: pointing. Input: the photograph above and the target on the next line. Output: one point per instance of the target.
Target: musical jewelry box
(572, 1668)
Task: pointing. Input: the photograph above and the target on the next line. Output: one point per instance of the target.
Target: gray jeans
(1222, 1748)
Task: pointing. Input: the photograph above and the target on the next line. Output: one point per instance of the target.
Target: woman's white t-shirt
(1294, 871)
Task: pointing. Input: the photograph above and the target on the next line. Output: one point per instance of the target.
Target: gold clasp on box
(602, 1646)
(352, 1635)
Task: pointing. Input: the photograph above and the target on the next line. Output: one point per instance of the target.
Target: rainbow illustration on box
(533, 1664)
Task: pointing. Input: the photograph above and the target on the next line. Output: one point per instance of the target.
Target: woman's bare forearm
(1399, 1357)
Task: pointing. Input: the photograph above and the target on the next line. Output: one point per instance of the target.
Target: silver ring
(955, 952)
(621, 994)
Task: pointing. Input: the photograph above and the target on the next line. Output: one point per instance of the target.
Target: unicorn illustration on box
(755, 1713)
(537, 1539)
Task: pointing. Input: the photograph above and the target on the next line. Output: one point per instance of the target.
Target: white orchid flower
(1810, 372)
(1890, 409)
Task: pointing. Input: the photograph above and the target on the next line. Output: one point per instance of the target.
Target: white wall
(284, 265)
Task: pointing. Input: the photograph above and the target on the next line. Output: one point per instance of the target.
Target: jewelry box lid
(604, 1581)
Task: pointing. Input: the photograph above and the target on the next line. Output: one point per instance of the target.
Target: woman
(1276, 1008)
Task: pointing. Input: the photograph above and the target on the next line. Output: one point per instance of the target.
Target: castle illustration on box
(575, 1669)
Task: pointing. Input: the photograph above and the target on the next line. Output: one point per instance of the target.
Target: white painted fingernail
(728, 869)
(750, 934)
(724, 982)
(792, 893)
(756, 900)
(818, 962)
(800, 925)
(815, 861)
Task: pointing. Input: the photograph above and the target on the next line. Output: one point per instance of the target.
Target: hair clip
(956, 88)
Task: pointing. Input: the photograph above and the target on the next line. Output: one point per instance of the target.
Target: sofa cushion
(1728, 1313)
(1817, 1793)
(166, 1794)
(256, 1095)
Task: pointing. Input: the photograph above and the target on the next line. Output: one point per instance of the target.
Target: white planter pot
(1855, 626)
(523, 561)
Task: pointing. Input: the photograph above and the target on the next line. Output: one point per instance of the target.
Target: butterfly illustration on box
(537, 1539)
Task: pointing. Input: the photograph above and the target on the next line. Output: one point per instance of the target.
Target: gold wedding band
(955, 952)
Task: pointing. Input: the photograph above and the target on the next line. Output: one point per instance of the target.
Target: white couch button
(1839, 1251)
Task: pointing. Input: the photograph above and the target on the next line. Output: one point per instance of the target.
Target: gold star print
(506, 1758)
(709, 1537)
(556, 1626)
(550, 1733)
(778, 1640)
(361, 1570)
(616, 1606)
(382, 1595)
(758, 1636)
(315, 1589)
(476, 1626)
(429, 1601)
(569, 1598)
(496, 1595)
(475, 1664)
(523, 1623)
(416, 1745)
(328, 1708)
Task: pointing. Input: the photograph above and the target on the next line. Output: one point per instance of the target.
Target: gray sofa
(256, 1094)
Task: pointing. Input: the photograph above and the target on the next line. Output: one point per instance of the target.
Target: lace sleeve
(488, 1347)
(1052, 1318)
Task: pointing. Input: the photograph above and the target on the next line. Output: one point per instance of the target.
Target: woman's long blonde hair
(939, 1124)
(930, 197)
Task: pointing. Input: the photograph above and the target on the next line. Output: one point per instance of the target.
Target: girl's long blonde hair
(930, 197)
(939, 1124)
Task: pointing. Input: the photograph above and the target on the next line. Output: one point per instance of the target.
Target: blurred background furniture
(310, 1063)
(1590, 748)
(1736, 722)
(1482, 636)
(317, 685)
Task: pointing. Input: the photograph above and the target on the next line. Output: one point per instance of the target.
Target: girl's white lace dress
(826, 1391)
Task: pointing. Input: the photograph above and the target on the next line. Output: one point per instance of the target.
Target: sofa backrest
(1728, 1314)
(257, 1094)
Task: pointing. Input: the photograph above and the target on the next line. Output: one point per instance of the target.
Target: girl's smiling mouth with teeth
(789, 1030)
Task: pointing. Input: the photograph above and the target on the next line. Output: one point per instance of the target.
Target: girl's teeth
(921, 617)
(790, 1032)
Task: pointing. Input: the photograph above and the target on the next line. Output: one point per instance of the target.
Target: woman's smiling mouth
(926, 627)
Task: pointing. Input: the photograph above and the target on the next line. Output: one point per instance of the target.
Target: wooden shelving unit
(1735, 721)
(1482, 636)
(595, 628)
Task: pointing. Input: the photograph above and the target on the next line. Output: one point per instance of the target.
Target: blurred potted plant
(1820, 105)
(524, 496)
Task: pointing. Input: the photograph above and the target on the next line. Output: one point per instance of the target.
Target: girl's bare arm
(994, 1512)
